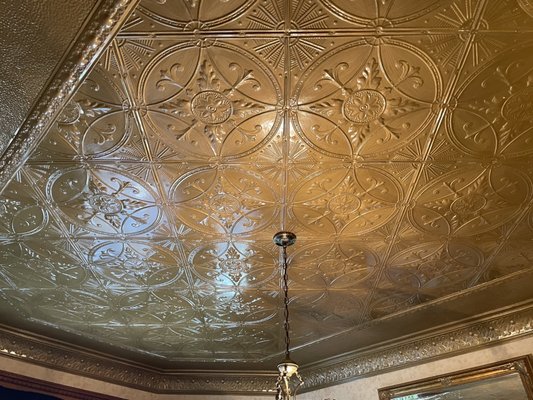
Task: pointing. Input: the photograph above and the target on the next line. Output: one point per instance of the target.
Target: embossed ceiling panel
(393, 137)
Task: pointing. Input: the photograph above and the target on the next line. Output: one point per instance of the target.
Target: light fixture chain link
(286, 303)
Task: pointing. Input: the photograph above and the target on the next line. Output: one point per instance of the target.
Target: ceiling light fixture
(289, 380)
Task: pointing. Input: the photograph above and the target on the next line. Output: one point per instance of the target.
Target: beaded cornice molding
(506, 325)
(91, 42)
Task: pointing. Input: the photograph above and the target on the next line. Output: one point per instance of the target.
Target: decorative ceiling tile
(225, 200)
(135, 264)
(232, 266)
(318, 314)
(429, 268)
(388, 299)
(209, 102)
(392, 137)
(492, 109)
(96, 123)
(508, 15)
(333, 265)
(344, 201)
(365, 99)
(512, 253)
(470, 201)
(32, 264)
(98, 198)
(188, 16)
(21, 210)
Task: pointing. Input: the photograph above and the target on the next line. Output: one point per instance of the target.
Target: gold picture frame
(505, 380)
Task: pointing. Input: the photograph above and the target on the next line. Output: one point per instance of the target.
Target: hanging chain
(286, 303)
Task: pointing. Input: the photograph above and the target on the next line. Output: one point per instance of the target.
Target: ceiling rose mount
(289, 380)
(284, 238)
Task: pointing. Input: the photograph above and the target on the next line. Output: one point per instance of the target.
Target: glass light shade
(289, 381)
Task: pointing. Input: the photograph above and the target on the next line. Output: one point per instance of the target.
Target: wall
(367, 388)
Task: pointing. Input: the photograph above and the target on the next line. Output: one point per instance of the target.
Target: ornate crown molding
(27, 347)
(443, 342)
(101, 28)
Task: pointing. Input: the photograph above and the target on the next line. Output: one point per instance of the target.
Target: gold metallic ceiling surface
(393, 137)
(32, 44)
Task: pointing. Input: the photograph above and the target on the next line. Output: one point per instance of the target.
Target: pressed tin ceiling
(393, 137)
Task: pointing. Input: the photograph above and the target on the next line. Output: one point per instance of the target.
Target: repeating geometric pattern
(394, 138)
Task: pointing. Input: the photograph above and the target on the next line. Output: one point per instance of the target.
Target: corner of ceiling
(104, 23)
